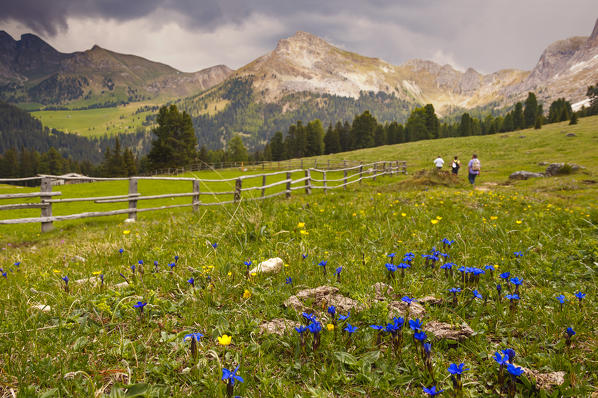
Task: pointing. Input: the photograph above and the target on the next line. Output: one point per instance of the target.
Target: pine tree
(277, 149)
(538, 124)
(362, 130)
(175, 141)
(332, 143)
(130, 164)
(380, 136)
(530, 112)
(466, 125)
(236, 150)
(573, 118)
(314, 138)
(432, 123)
(518, 116)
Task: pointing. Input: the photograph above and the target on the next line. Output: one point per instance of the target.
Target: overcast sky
(193, 34)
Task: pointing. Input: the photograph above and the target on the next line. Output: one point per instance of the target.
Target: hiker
(474, 167)
(438, 162)
(456, 165)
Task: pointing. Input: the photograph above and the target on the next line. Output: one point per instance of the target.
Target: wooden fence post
(315, 163)
(195, 198)
(46, 186)
(308, 182)
(345, 180)
(301, 162)
(263, 185)
(375, 171)
(324, 180)
(360, 172)
(133, 201)
(238, 185)
(288, 194)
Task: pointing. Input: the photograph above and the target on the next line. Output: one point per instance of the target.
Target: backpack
(475, 165)
(456, 165)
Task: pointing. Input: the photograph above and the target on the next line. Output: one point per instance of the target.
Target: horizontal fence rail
(303, 180)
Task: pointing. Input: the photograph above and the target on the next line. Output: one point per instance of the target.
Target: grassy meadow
(96, 122)
(91, 340)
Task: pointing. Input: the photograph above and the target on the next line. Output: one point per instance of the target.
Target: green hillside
(91, 339)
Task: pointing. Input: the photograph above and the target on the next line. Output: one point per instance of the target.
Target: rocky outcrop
(320, 298)
(446, 331)
(279, 326)
(524, 175)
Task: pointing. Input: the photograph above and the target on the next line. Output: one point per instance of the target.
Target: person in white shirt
(438, 162)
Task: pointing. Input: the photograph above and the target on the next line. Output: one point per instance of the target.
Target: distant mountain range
(33, 71)
(304, 77)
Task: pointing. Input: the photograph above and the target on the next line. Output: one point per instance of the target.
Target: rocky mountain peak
(300, 40)
(593, 39)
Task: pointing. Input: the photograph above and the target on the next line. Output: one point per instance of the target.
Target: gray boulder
(524, 175)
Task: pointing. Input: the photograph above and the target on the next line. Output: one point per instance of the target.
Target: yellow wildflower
(230, 273)
(304, 232)
(438, 217)
(330, 327)
(225, 340)
(434, 221)
(493, 217)
(96, 273)
(254, 274)
(246, 294)
(403, 214)
(354, 214)
(56, 271)
(126, 232)
(301, 225)
(518, 222)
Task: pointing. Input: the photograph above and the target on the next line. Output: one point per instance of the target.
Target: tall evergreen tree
(314, 138)
(277, 149)
(530, 112)
(380, 136)
(362, 130)
(466, 125)
(518, 116)
(175, 141)
(432, 123)
(236, 150)
(332, 142)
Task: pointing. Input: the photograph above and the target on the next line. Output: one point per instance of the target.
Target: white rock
(92, 280)
(42, 307)
(271, 265)
(121, 285)
(129, 220)
(79, 259)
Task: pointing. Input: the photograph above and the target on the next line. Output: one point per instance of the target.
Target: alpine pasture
(402, 287)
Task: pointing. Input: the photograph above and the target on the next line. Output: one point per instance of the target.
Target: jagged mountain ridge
(32, 70)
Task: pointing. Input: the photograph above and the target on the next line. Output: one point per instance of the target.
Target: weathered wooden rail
(307, 182)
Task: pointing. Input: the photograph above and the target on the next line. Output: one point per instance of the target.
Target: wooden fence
(257, 165)
(306, 182)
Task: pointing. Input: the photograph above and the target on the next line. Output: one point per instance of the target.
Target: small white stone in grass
(271, 265)
(121, 285)
(129, 220)
(42, 307)
(92, 280)
(78, 259)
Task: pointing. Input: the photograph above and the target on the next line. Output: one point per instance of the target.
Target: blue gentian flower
(501, 360)
(172, 265)
(498, 288)
(133, 268)
(214, 245)
(338, 271)
(510, 353)
(512, 297)
(193, 336)
(415, 324)
(403, 266)
(477, 294)
(344, 317)
(448, 266)
(332, 310)
(427, 348)
(121, 250)
(391, 267)
(17, 263)
(570, 331)
(489, 267)
(4, 274)
(454, 290)
(65, 279)
(191, 281)
(140, 262)
(301, 329)
(432, 391)
(139, 305)
(407, 300)
(516, 281)
(561, 298)
(304, 256)
(351, 329)
(421, 336)
(309, 317)
(580, 295)
(378, 327)
(518, 254)
(398, 322)
(457, 369)
(392, 256)
(505, 275)
(176, 259)
(315, 327)
(514, 370)
(230, 377)
(323, 263)
(289, 281)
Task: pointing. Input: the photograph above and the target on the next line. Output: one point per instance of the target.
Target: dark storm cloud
(487, 35)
